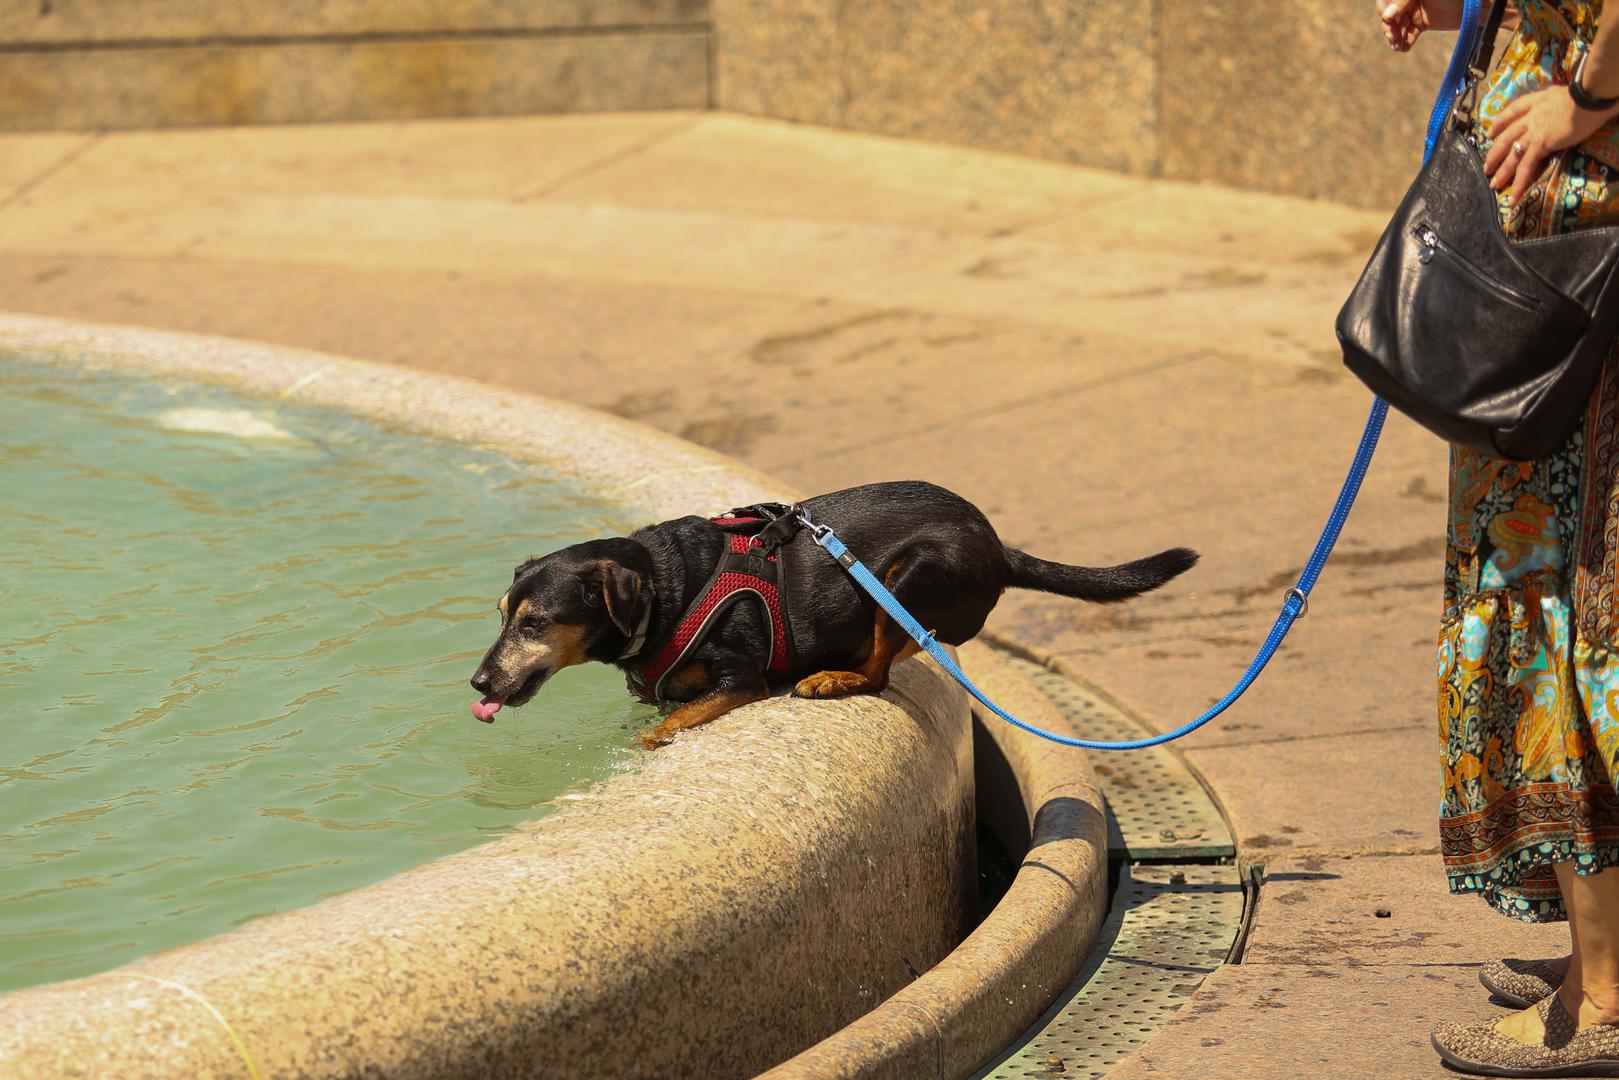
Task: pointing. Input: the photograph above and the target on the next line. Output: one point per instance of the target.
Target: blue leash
(1298, 597)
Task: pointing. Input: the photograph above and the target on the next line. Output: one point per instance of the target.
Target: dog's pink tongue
(486, 709)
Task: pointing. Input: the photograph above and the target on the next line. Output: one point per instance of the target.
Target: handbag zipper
(1432, 245)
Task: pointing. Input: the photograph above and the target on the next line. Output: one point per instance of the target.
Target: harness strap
(749, 569)
(781, 524)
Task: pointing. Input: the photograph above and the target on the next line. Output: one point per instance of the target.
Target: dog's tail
(1103, 585)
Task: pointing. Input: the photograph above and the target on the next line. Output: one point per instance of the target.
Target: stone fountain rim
(606, 456)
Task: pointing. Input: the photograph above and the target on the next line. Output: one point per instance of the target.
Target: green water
(233, 666)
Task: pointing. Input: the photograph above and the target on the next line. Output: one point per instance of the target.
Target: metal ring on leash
(1304, 600)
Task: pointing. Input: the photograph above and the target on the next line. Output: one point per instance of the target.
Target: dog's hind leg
(889, 645)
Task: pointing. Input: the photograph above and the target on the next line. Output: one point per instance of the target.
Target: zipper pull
(1430, 244)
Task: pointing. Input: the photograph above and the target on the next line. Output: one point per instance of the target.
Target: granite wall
(1295, 96)
(102, 64)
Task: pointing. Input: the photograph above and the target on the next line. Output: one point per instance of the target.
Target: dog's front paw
(832, 684)
(651, 740)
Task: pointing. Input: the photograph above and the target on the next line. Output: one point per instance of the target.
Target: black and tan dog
(659, 603)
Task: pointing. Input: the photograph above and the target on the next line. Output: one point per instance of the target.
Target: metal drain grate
(1158, 810)
(1169, 926)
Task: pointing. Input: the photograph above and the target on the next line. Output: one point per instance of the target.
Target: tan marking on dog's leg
(702, 711)
(889, 645)
(688, 682)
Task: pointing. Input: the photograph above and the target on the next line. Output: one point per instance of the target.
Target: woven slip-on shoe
(1519, 983)
(1481, 1050)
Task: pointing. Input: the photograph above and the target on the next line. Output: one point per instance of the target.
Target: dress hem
(1495, 887)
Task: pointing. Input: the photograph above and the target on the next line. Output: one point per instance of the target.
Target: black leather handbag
(1488, 343)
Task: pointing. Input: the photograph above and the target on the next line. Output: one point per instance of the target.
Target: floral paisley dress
(1529, 644)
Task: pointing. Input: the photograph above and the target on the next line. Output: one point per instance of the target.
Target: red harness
(747, 569)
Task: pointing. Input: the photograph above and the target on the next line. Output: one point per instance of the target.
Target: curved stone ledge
(1030, 947)
(748, 890)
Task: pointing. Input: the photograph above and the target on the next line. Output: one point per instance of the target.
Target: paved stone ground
(1107, 365)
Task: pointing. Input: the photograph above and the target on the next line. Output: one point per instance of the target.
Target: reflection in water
(234, 639)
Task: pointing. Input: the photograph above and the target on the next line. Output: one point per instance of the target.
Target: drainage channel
(1177, 909)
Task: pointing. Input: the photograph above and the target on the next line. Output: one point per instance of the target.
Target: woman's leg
(1590, 990)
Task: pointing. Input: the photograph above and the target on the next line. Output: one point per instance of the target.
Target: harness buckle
(779, 526)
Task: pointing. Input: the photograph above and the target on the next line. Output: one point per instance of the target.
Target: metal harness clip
(816, 529)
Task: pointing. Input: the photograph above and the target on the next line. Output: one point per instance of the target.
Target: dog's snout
(481, 682)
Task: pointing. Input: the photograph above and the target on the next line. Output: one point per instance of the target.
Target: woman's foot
(1545, 1042)
(1529, 1026)
(1526, 1026)
(1521, 983)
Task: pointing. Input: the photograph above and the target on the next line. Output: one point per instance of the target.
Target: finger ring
(1518, 148)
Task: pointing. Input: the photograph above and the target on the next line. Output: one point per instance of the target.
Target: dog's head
(581, 603)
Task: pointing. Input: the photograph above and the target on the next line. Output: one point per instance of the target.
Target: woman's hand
(1529, 130)
(1406, 20)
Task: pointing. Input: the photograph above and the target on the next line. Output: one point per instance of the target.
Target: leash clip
(816, 529)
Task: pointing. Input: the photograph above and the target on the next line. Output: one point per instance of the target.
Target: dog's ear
(524, 567)
(621, 592)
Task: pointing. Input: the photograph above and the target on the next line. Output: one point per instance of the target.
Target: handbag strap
(1483, 56)
(1486, 44)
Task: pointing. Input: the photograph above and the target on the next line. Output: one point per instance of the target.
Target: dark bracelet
(1577, 92)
